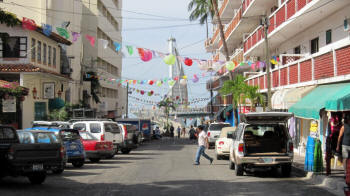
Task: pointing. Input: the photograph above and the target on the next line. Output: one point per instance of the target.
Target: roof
(27, 68)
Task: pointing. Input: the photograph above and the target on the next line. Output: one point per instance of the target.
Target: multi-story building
(99, 18)
(311, 41)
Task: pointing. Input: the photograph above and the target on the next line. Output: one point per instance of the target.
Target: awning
(332, 97)
(285, 98)
(278, 99)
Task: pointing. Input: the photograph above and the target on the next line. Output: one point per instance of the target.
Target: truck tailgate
(36, 153)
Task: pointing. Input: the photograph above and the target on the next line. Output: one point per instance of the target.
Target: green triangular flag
(130, 49)
(63, 32)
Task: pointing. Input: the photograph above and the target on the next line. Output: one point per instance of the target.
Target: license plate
(73, 147)
(38, 167)
(268, 160)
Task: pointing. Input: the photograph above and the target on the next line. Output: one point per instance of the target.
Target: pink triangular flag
(91, 40)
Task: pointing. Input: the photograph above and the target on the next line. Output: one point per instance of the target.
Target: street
(162, 167)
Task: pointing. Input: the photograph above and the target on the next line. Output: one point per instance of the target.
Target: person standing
(171, 131)
(183, 131)
(202, 144)
(344, 140)
(178, 131)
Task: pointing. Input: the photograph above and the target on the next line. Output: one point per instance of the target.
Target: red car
(96, 150)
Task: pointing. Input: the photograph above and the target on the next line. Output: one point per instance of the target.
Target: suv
(214, 131)
(130, 138)
(262, 141)
(103, 131)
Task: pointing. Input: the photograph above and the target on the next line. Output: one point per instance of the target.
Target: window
(44, 53)
(95, 128)
(49, 56)
(14, 47)
(54, 57)
(33, 49)
(314, 45)
(297, 50)
(80, 127)
(39, 52)
(329, 36)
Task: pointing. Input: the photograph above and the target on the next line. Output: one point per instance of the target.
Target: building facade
(310, 40)
(99, 18)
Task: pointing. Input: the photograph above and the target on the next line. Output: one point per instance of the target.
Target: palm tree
(202, 9)
(252, 93)
(236, 88)
(168, 105)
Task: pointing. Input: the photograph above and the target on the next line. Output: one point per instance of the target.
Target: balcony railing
(245, 4)
(222, 8)
(281, 15)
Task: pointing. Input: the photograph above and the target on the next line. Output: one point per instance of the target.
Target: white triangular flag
(104, 43)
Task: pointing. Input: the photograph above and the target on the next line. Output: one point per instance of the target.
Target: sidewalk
(334, 183)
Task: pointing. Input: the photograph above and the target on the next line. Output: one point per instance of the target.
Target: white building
(98, 18)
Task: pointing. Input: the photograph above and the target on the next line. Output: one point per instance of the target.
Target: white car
(223, 143)
(214, 131)
(102, 130)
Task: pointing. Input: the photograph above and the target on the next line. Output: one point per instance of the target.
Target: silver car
(262, 141)
(214, 131)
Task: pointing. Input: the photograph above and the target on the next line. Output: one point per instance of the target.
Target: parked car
(31, 157)
(103, 131)
(59, 124)
(129, 138)
(72, 144)
(142, 125)
(223, 143)
(214, 131)
(96, 150)
(262, 141)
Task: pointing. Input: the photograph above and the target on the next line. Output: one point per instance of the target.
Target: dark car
(29, 156)
(72, 143)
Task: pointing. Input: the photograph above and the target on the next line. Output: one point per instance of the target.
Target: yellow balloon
(230, 66)
(170, 59)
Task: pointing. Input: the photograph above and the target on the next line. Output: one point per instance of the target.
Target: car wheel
(125, 151)
(231, 165)
(95, 160)
(78, 164)
(110, 156)
(238, 170)
(286, 170)
(37, 178)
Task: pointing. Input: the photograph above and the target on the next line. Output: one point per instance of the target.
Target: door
(40, 110)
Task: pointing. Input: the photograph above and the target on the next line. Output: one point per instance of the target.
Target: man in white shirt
(202, 144)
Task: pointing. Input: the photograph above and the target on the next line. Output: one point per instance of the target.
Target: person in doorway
(202, 144)
(178, 131)
(171, 131)
(344, 140)
(192, 133)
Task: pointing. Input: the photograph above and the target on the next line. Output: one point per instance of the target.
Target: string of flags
(147, 54)
(193, 101)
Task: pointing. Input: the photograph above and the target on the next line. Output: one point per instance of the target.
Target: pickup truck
(30, 159)
(262, 141)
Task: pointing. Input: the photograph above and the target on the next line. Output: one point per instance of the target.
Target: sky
(151, 32)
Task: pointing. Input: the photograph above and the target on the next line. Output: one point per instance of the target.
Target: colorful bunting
(28, 24)
(170, 59)
(117, 46)
(91, 39)
(65, 24)
(75, 36)
(62, 32)
(104, 43)
(130, 50)
(47, 29)
(188, 62)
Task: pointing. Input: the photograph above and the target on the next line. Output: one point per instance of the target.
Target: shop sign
(9, 105)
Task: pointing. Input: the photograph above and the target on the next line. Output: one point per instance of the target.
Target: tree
(201, 9)
(168, 105)
(252, 93)
(236, 88)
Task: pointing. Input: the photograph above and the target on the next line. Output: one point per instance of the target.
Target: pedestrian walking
(183, 131)
(178, 131)
(344, 140)
(202, 144)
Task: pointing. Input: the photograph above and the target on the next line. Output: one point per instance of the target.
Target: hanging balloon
(176, 78)
(183, 82)
(150, 82)
(188, 62)
(230, 66)
(159, 83)
(142, 92)
(195, 79)
(171, 83)
(170, 59)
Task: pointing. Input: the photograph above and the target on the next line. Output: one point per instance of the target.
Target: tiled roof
(27, 68)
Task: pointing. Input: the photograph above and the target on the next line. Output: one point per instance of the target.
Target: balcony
(255, 8)
(329, 66)
(209, 45)
(291, 18)
(227, 10)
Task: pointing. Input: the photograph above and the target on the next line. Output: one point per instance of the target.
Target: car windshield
(70, 135)
(37, 138)
(218, 127)
(87, 136)
(112, 128)
(79, 127)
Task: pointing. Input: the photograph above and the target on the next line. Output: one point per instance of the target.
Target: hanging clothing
(309, 156)
(292, 127)
(318, 161)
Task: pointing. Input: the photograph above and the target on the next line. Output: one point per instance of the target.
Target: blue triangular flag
(117, 46)
(47, 29)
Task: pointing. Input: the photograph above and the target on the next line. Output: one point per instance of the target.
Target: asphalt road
(159, 168)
